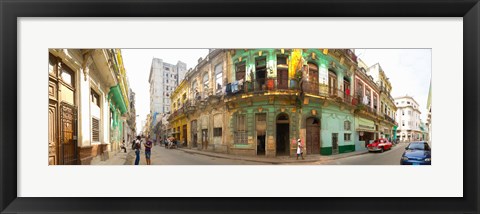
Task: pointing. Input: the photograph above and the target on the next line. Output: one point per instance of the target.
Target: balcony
(261, 85)
(190, 106)
(351, 55)
(362, 107)
(389, 119)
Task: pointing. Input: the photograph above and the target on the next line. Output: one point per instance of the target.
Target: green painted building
(276, 96)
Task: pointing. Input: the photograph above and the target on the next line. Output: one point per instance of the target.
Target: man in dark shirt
(148, 150)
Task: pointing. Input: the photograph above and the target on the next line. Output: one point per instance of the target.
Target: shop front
(385, 131)
(366, 132)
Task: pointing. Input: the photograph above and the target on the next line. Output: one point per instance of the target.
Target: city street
(390, 157)
(163, 156)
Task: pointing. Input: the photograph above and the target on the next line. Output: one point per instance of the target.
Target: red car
(381, 145)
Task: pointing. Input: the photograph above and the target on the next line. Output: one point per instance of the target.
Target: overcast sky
(137, 63)
(409, 71)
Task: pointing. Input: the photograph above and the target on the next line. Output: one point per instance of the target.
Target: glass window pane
(67, 77)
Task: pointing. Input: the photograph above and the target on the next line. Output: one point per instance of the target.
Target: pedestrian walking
(300, 149)
(137, 150)
(124, 147)
(148, 150)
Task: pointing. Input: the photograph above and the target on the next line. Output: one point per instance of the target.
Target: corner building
(275, 96)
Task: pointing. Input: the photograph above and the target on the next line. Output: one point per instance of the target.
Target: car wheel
(381, 150)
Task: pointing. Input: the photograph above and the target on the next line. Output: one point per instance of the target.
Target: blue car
(417, 153)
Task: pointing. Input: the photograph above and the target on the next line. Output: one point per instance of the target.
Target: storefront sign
(362, 124)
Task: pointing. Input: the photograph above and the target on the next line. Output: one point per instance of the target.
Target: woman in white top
(299, 149)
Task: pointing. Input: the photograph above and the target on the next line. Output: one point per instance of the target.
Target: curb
(266, 161)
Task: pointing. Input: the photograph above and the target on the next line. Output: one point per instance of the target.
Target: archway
(283, 134)
(313, 135)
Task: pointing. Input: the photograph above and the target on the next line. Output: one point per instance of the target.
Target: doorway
(68, 140)
(332, 83)
(283, 134)
(184, 134)
(260, 73)
(193, 130)
(282, 72)
(204, 138)
(334, 143)
(313, 135)
(260, 129)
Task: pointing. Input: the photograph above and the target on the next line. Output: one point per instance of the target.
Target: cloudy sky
(409, 71)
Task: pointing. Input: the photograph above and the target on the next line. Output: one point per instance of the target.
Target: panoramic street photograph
(265, 106)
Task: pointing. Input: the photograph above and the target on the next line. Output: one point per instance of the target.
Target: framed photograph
(239, 106)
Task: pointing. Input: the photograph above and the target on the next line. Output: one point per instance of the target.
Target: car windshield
(418, 146)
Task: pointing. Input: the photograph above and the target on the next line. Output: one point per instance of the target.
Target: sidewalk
(120, 158)
(276, 160)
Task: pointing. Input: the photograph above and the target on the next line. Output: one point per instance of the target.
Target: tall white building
(164, 78)
(408, 118)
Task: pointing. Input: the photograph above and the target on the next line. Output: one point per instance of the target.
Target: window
(67, 75)
(347, 136)
(408, 102)
(218, 77)
(95, 130)
(346, 125)
(409, 112)
(359, 89)
(94, 97)
(367, 93)
(403, 122)
(332, 82)
(240, 71)
(375, 102)
(205, 81)
(51, 65)
(241, 133)
(403, 112)
(217, 132)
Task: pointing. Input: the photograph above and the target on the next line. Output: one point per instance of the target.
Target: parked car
(417, 153)
(380, 145)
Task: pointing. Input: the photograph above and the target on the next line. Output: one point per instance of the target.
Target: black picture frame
(10, 10)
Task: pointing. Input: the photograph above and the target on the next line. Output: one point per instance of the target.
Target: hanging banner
(323, 78)
(295, 62)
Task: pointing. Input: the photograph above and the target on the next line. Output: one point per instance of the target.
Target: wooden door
(68, 139)
(332, 83)
(184, 131)
(313, 78)
(282, 79)
(52, 134)
(193, 130)
(334, 143)
(313, 136)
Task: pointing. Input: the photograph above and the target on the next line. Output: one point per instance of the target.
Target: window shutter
(95, 130)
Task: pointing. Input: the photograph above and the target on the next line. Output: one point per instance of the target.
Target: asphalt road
(163, 156)
(390, 157)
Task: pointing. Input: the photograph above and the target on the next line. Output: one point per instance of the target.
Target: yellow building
(178, 119)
